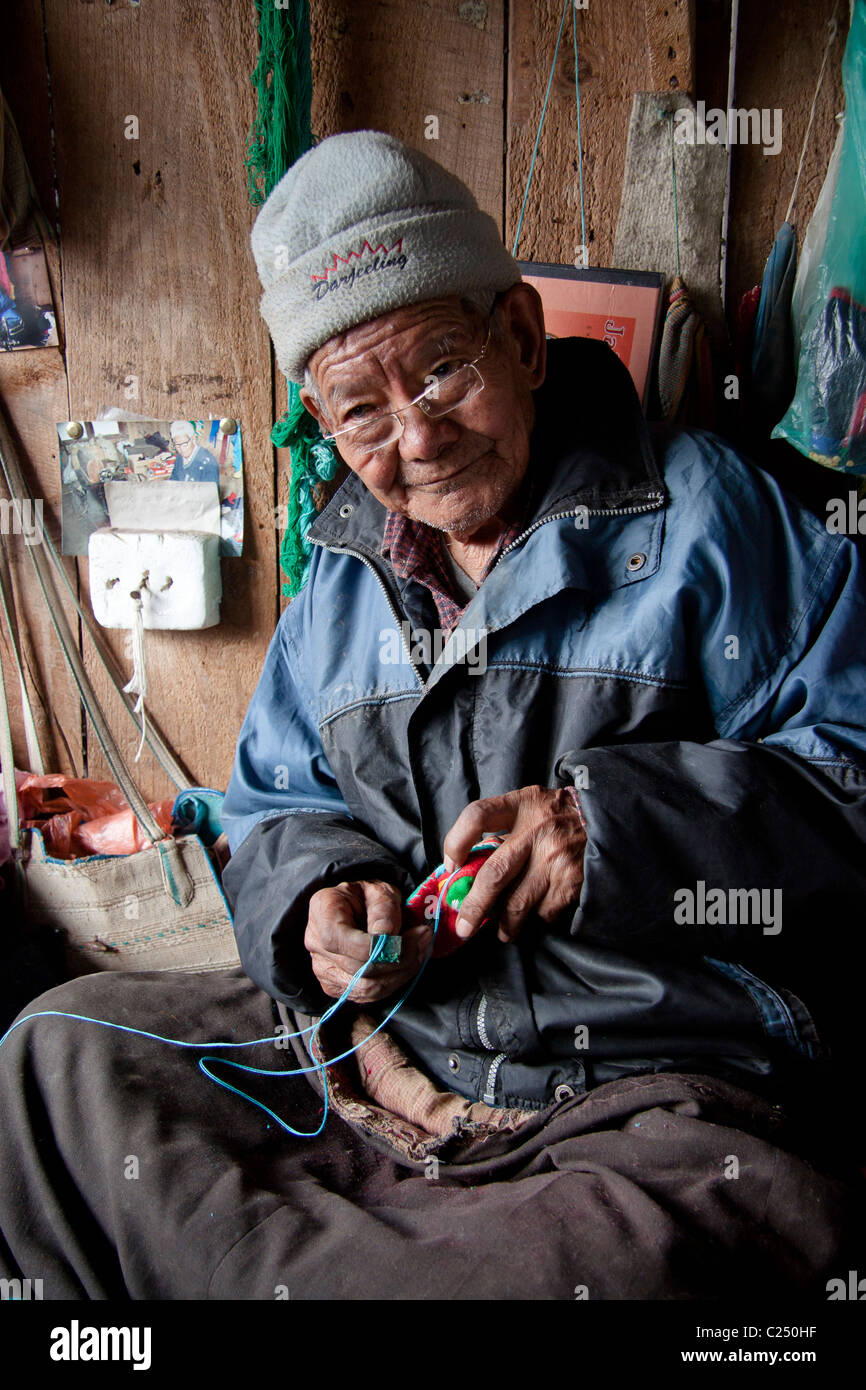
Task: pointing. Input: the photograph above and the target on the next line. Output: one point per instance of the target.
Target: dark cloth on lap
(624, 1190)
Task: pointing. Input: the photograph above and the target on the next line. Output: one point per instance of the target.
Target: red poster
(622, 308)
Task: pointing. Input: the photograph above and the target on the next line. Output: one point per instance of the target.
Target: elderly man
(193, 462)
(620, 1082)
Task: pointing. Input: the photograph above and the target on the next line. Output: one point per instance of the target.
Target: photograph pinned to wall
(98, 455)
(621, 307)
(27, 317)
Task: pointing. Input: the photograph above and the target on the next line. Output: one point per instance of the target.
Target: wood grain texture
(670, 29)
(34, 393)
(614, 63)
(160, 283)
(389, 64)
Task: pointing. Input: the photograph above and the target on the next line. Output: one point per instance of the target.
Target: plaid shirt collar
(416, 551)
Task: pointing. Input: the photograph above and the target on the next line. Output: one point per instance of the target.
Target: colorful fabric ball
(450, 890)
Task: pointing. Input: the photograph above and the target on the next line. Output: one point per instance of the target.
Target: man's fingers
(341, 967)
(335, 971)
(334, 978)
(491, 813)
(340, 918)
(383, 904)
(328, 936)
(525, 897)
(492, 880)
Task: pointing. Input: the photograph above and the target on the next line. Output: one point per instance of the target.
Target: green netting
(280, 134)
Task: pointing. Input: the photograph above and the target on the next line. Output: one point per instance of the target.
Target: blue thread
(670, 116)
(579, 150)
(541, 125)
(313, 1030)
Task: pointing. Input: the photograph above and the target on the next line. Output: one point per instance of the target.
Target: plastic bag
(827, 417)
(79, 817)
(812, 249)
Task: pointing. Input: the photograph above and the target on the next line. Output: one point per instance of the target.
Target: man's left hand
(537, 869)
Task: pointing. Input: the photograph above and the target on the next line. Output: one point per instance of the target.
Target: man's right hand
(339, 925)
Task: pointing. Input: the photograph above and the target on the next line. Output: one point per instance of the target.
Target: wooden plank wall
(153, 276)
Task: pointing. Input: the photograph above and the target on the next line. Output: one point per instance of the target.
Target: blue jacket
(672, 634)
(202, 466)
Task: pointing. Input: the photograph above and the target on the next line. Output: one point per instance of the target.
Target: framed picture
(112, 474)
(622, 307)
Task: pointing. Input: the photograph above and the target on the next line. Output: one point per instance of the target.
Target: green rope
(312, 459)
(283, 80)
(280, 134)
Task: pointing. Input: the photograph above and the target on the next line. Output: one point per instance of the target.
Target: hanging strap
(17, 491)
(10, 793)
(726, 206)
(154, 740)
(35, 761)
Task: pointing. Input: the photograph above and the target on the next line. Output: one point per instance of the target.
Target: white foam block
(163, 505)
(177, 574)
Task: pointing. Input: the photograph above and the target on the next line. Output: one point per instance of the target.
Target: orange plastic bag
(80, 817)
(53, 794)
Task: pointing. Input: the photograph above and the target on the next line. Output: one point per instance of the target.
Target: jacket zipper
(346, 550)
(658, 500)
(480, 1025)
(493, 1070)
(490, 1085)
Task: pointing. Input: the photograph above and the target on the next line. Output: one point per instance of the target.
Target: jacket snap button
(453, 1062)
(636, 562)
(346, 509)
(562, 1093)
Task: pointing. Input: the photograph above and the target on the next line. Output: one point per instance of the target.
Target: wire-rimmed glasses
(445, 394)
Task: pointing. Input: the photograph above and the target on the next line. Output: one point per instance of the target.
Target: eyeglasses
(445, 394)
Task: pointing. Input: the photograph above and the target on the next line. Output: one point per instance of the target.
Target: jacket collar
(591, 446)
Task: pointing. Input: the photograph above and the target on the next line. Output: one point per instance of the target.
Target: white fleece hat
(360, 225)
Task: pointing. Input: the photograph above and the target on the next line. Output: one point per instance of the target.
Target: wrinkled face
(184, 444)
(456, 472)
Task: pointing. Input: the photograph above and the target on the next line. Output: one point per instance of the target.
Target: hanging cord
(833, 30)
(35, 761)
(726, 208)
(313, 1030)
(137, 684)
(670, 116)
(579, 148)
(541, 125)
(155, 742)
